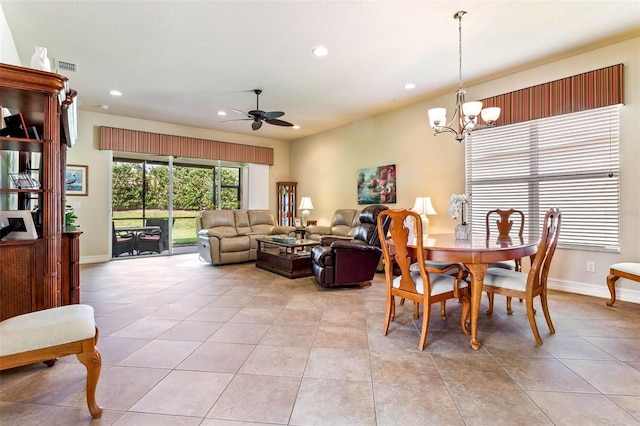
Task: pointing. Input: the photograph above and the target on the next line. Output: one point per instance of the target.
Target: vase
(463, 231)
(40, 61)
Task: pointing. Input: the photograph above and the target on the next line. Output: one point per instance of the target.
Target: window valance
(180, 146)
(589, 90)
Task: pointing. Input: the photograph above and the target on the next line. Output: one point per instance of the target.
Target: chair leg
(465, 318)
(92, 360)
(443, 309)
(509, 310)
(416, 310)
(490, 297)
(389, 316)
(425, 326)
(545, 309)
(532, 321)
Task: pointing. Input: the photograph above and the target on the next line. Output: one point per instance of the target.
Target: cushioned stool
(628, 270)
(53, 333)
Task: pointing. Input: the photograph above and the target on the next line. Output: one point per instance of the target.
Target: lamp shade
(437, 116)
(472, 108)
(423, 206)
(490, 115)
(306, 204)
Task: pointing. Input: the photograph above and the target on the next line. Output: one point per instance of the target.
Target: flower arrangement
(456, 205)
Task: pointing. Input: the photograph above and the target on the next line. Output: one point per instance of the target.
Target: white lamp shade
(472, 108)
(306, 204)
(423, 206)
(437, 116)
(491, 114)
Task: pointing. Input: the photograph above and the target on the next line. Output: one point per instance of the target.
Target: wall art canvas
(377, 185)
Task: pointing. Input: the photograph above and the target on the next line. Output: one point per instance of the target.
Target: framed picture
(23, 181)
(76, 180)
(17, 225)
(312, 222)
(377, 185)
(297, 222)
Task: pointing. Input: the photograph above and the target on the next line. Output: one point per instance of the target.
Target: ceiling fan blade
(279, 122)
(256, 112)
(256, 124)
(242, 112)
(273, 114)
(236, 119)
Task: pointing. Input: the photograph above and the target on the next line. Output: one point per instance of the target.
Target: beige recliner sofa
(229, 236)
(343, 225)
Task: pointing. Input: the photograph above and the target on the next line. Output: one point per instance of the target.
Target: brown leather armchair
(340, 262)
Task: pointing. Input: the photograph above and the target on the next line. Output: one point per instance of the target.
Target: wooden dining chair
(534, 283)
(414, 282)
(503, 226)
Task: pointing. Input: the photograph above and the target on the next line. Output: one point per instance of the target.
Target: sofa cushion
(243, 225)
(213, 218)
(232, 244)
(262, 221)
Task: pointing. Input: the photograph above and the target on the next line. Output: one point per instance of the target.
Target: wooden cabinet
(30, 269)
(287, 199)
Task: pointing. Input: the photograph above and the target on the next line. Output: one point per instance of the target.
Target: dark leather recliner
(340, 262)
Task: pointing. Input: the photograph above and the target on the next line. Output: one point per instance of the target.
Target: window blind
(569, 161)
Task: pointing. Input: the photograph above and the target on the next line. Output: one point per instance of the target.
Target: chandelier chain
(460, 50)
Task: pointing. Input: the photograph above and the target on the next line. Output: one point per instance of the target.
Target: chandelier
(466, 113)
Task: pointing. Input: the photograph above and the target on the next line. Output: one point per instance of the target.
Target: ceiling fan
(258, 116)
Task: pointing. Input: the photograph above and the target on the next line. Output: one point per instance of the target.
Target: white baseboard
(94, 259)
(624, 294)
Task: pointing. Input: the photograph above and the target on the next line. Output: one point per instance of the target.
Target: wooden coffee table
(290, 258)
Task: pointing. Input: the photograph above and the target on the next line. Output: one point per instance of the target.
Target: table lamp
(424, 207)
(305, 206)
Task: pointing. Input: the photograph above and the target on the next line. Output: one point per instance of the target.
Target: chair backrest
(367, 231)
(399, 236)
(163, 223)
(548, 241)
(503, 223)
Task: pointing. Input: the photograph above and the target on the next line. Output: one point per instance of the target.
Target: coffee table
(290, 258)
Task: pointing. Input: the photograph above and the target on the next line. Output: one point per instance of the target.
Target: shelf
(20, 144)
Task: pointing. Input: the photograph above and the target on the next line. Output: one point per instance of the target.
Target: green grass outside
(184, 228)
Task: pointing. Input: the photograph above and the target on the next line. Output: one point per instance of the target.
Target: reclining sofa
(343, 225)
(229, 236)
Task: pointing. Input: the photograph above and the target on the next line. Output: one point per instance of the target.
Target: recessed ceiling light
(409, 86)
(222, 113)
(296, 127)
(115, 93)
(320, 51)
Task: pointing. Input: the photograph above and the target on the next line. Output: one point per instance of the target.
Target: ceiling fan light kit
(466, 112)
(258, 116)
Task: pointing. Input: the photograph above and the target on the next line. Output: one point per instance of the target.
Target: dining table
(475, 253)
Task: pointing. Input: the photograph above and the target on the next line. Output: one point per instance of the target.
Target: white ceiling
(182, 62)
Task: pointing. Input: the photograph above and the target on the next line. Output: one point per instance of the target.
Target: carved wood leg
(466, 310)
(611, 283)
(545, 310)
(390, 313)
(426, 314)
(477, 271)
(532, 320)
(509, 311)
(490, 298)
(92, 360)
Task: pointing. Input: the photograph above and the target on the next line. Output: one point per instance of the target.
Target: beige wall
(325, 164)
(94, 216)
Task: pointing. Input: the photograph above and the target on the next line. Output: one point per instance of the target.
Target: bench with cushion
(52, 333)
(628, 270)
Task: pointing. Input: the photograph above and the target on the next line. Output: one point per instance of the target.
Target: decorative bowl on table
(283, 239)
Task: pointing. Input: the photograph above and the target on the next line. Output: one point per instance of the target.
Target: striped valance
(593, 89)
(180, 146)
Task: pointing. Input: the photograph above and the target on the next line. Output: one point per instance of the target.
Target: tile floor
(185, 343)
